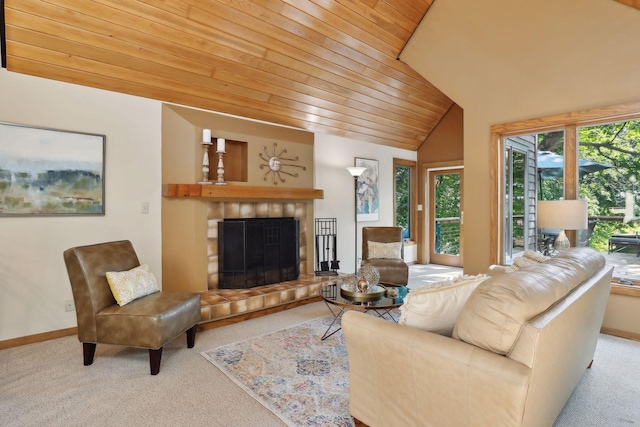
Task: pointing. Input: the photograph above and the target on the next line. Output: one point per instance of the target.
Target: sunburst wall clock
(275, 162)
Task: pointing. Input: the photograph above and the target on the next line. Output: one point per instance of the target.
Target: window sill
(628, 289)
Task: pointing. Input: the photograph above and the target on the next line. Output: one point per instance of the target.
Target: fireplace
(257, 251)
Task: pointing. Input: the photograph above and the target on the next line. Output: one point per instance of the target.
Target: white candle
(206, 136)
(220, 145)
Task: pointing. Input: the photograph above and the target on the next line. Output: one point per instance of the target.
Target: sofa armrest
(405, 376)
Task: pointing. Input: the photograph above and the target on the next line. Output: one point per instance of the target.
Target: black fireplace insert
(257, 251)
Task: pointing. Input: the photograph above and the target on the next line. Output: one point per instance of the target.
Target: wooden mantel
(240, 192)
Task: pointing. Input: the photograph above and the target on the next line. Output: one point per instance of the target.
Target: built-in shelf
(240, 192)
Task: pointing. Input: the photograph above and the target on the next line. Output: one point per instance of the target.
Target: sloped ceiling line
(631, 3)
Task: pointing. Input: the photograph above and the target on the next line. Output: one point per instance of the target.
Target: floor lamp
(355, 172)
(563, 215)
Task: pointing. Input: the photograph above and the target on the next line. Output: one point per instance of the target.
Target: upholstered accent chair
(147, 322)
(383, 248)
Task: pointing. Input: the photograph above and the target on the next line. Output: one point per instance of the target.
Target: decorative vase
(370, 273)
(363, 285)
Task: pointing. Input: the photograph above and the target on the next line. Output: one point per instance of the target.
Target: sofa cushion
(435, 307)
(378, 250)
(130, 285)
(528, 258)
(392, 271)
(498, 308)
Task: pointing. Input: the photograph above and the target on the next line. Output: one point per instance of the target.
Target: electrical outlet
(144, 208)
(69, 305)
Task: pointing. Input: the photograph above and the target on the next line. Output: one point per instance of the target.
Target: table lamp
(563, 215)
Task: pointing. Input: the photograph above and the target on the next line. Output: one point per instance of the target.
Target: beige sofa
(521, 343)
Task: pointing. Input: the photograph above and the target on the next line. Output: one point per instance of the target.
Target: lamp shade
(356, 171)
(563, 214)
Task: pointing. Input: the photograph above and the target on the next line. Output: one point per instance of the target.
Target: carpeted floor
(45, 384)
(608, 393)
(422, 274)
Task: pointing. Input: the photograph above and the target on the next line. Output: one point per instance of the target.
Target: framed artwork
(50, 172)
(368, 193)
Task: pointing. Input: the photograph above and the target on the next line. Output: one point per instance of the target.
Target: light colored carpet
(303, 380)
(608, 393)
(422, 274)
(45, 384)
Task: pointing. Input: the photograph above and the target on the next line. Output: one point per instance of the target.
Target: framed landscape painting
(50, 172)
(368, 193)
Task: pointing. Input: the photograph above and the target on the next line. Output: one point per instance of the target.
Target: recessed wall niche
(234, 160)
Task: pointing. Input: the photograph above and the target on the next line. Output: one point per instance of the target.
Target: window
(608, 179)
(599, 163)
(533, 170)
(405, 196)
(519, 195)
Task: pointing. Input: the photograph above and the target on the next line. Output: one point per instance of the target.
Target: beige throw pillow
(127, 286)
(384, 250)
(536, 256)
(528, 258)
(435, 307)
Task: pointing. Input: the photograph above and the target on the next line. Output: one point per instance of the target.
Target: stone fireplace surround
(219, 306)
(219, 211)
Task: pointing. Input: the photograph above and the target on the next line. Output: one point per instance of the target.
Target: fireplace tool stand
(326, 241)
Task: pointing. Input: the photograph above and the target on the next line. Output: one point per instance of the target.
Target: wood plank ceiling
(327, 66)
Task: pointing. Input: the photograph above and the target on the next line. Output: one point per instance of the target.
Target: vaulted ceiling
(327, 66)
(632, 3)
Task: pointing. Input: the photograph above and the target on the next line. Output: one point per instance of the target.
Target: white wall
(332, 156)
(505, 60)
(33, 279)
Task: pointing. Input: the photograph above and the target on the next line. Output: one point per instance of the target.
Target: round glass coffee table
(338, 302)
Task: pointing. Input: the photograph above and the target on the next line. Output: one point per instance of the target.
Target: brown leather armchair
(148, 322)
(392, 271)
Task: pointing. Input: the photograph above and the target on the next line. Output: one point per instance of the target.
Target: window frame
(527, 151)
(569, 122)
(413, 194)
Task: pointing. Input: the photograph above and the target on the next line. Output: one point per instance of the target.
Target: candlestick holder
(220, 180)
(205, 164)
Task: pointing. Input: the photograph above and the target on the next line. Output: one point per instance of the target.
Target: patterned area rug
(298, 377)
